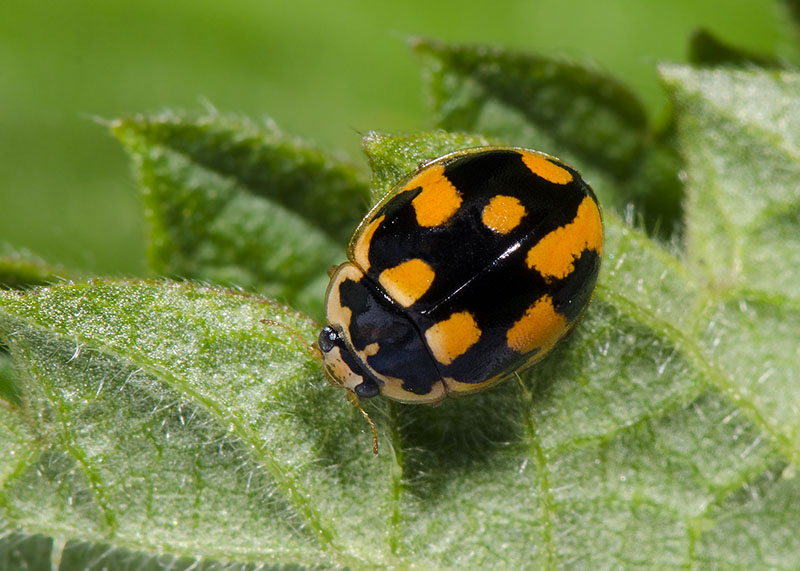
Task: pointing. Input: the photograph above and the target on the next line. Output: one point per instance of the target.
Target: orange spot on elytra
(438, 200)
(546, 169)
(503, 214)
(540, 327)
(452, 337)
(408, 281)
(554, 255)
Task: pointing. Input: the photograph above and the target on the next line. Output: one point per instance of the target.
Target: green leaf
(793, 9)
(18, 551)
(705, 49)
(393, 157)
(568, 110)
(238, 203)
(740, 135)
(22, 269)
(166, 423)
(9, 390)
(739, 132)
(169, 412)
(474, 86)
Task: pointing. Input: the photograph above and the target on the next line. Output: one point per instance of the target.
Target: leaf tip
(671, 74)
(424, 46)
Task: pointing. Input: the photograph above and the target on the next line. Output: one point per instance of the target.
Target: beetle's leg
(351, 396)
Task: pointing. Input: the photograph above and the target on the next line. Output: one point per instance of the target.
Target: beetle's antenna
(351, 396)
(311, 348)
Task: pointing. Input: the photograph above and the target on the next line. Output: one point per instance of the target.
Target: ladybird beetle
(472, 267)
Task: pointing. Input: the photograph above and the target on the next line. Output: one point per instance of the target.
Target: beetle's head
(342, 367)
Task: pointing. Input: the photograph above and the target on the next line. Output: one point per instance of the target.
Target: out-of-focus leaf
(793, 7)
(707, 50)
(566, 109)
(238, 203)
(20, 268)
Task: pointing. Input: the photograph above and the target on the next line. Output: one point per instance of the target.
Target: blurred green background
(324, 70)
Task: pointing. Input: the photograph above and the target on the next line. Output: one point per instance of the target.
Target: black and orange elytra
(472, 267)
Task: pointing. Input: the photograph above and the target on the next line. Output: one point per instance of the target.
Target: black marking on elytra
(498, 298)
(398, 202)
(464, 247)
(572, 294)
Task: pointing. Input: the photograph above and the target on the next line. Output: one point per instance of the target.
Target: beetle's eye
(327, 339)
